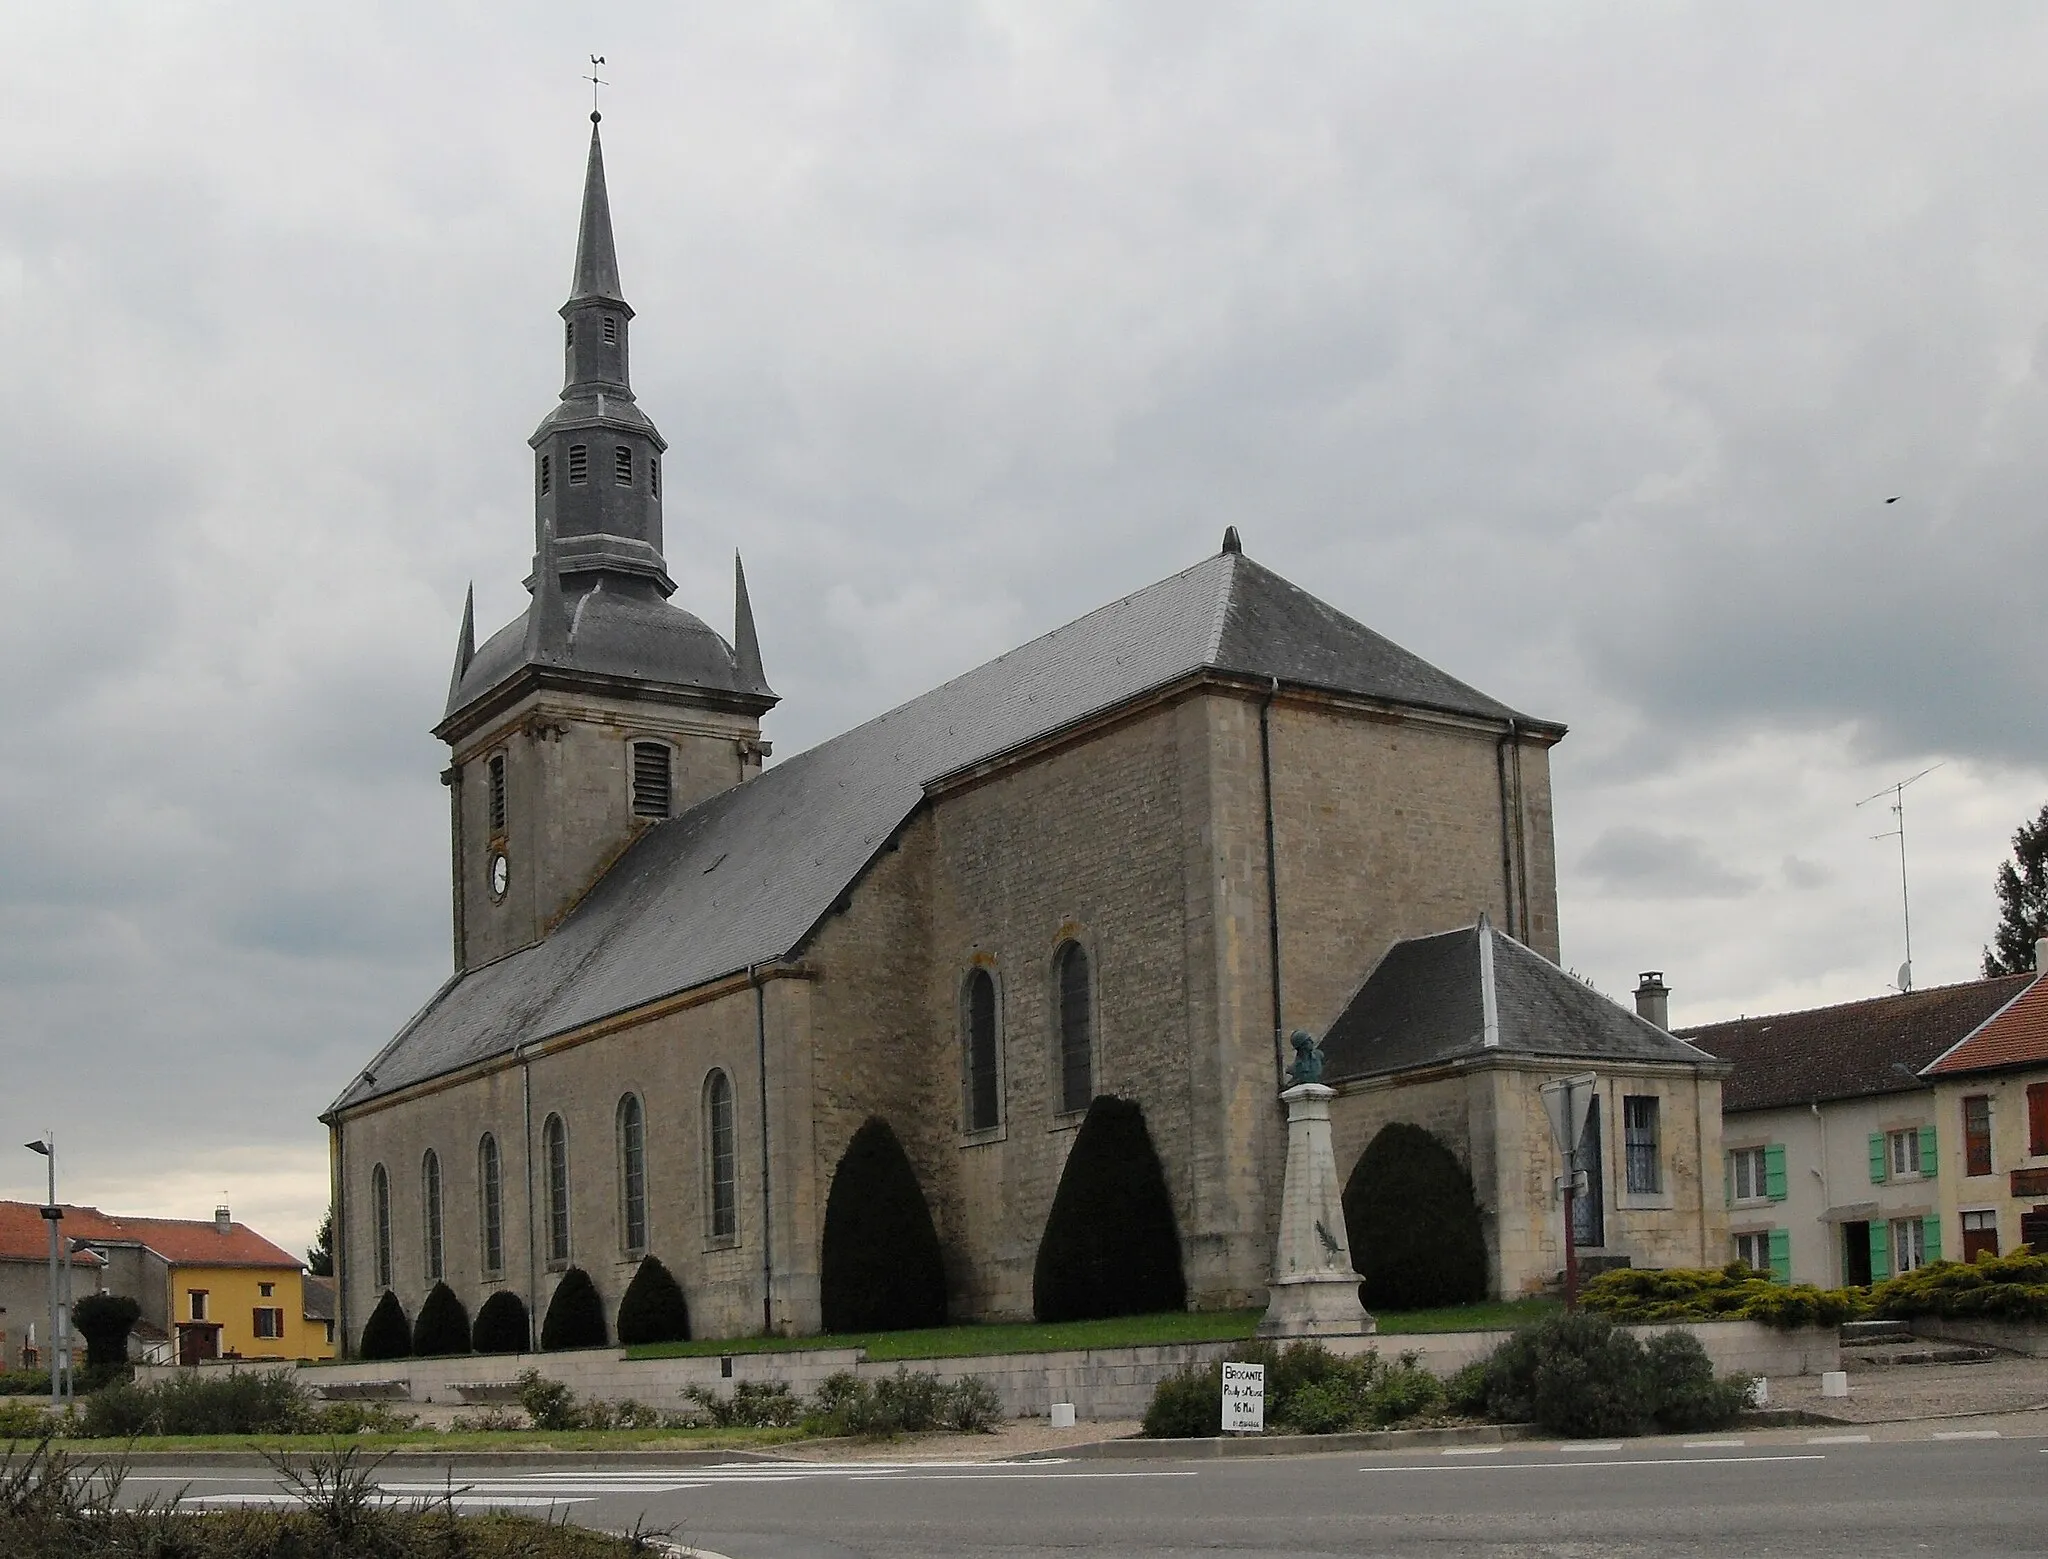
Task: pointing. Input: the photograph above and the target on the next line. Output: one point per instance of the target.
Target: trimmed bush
(881, 1270)
(1413, 1223)
(500, 1325)
(105, 1320)
(2012, 1287)
(387, 1334)
(653, 1309)
(1733, 1292)
(1309, 1390)
(575, 1317)
(442, 1326)
(1683, 1391)
(1578, 1374)
(1110, 1246)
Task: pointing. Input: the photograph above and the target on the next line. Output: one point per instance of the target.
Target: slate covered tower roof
(600, 582)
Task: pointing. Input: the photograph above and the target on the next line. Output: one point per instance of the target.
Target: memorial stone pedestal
(1314, 1292)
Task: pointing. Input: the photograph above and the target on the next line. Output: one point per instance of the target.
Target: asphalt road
(1957, 1499)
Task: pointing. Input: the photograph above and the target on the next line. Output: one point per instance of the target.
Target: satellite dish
(1906, 975)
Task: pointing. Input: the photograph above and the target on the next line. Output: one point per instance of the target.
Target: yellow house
(1991, 1092)
(217, 1290)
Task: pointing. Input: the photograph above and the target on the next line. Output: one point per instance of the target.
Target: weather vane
(595, 82)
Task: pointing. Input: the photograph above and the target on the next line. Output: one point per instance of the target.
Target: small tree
(2022, 888)
(653, 1309)
(320, 1255)
(501, 1325)
(1413, 1223)
(387, 1334)
(105, 1320)
(442, 1326)
(881, 1268)
(575, 1317)
(1110, 1246)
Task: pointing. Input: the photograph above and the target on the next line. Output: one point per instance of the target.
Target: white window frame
(1908, 1237)
(1755, 1162)
(1903, 1145)
(1758, 1255)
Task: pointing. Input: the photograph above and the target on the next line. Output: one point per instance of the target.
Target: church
(1126, 858)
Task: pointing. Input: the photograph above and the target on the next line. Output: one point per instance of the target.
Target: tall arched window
(490, 1204)
(555, 1144)
(430, 1211)
(984, 1100)
(633, 1173)
(722, 1198)
(380, 1216)
(1077, 1028)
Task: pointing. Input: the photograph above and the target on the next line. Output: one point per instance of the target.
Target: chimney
(1653, 998)
(2040, 954)
(222, 1223)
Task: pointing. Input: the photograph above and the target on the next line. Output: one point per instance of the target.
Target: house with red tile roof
(25, 1284)
(1993, 1085)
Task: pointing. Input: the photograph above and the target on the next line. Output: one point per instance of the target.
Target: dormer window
(622, 465)
(611, 330)
(497, 792)
(651, 781)
(547, 475)
(579, 464)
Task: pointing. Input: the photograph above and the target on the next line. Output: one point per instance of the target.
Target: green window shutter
(1931, 1233)
(1876, 1158)
(1728, 1177)
(1781, 1255)
(1774, 1171)
(1930, 1160)
(1880, 1252)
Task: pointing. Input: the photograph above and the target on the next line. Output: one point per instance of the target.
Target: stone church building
(1125, 858)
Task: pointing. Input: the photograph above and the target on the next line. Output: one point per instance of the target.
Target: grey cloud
(1641, 863)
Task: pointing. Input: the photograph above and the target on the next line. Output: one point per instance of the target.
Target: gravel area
(1908, 1391)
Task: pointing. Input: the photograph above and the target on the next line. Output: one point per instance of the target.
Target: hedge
(442, 1325)
(881, 1268)
(105, 1320)
(653, 1309)
(1413, 1222)
(1110, 1246)
(387, 1334)
(575, 1317)
(2012, 1287)
(501, 1325)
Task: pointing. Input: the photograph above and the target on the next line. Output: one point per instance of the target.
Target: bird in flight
(1895, 498)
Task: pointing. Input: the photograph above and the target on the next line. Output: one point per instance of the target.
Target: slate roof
(742, 878)
(1426, 1004)
(1856, 1050)
(2015, 1035)
(318, 1302)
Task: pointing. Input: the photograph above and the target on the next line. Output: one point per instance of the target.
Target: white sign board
(1244, 1398)
(1568, 1102)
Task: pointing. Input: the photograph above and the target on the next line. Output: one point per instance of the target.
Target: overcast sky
(1576, 347)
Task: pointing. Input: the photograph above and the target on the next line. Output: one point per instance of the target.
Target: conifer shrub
(1413, 1223)
(2012, 1287)
(442, 1325)
(881, 1268)
(575, 1317)
(653, 1308)
(387, 1334)
(1730, 1293)
(1110, 1246)
(105, 1320)
(500, 1325)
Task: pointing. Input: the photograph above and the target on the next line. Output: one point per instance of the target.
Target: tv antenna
(1897, 791)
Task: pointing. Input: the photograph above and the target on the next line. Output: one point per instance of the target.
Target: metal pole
(48, 1148)
(1571, 1249)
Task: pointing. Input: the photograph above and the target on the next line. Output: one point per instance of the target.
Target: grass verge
(440, 1440)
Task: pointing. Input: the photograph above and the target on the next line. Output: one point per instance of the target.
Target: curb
(1207, 1448)
(412, 1458)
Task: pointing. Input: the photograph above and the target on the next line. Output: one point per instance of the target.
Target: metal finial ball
(595, 116)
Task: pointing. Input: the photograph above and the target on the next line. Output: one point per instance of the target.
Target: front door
(1589, 1212)
(1856, 1255)
(2034, 1230)
(198, 1341)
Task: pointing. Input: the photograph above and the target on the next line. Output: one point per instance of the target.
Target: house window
(555, 1146)
(1980, 1235)
(622, 465)
(1902, 1152)
(1909, 1244)
(496, 770)
(633, 1173)
(1753, 1250)
(198, 1298)
(1977, 1134)
(1644, 1154)
(579, 464)
(1748, 1176)
(651, 776)
(611, 330)
(268, 1322)
(2037, 1119)
(265, 1290)
(722, 1200)
(380, 1216)
(547, 475)
(983, 1098)
(430, 1207)
(1077, 1028)
(490, 1204)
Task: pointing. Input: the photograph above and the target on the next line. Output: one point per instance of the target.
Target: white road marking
(1709, 1445)
(1838, 1439)
(1590, 1445)
(1620, 1461)
(1017, 1477)
(1967, 1434)
(1474, 1450)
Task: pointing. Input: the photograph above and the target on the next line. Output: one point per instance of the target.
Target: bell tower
(602, 710)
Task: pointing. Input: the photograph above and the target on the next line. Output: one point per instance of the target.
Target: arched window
(555, 1145)
(722, 1198)
(430, 1211)
(380, 1216)
(984, 1103)
(633, 1173)
(490, 1199)
(1077, 1028)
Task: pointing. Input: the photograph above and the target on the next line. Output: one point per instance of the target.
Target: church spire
(597, 258)
(746, 644)
(465, 645)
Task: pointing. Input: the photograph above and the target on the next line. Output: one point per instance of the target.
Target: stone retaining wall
(2028, 1337)
(1102, 1383)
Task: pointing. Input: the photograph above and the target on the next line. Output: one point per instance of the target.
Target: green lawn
(953, 1342)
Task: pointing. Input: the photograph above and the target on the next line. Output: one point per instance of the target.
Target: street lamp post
(59, 1343)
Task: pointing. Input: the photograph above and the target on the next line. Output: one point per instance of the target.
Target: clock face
(501, 874)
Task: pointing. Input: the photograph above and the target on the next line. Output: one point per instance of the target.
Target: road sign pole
(1571, 1249)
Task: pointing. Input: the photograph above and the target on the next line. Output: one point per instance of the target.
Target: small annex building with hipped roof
(1456, 1032)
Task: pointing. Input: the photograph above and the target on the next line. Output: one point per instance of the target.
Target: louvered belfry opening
(650, 779)
(497, 792)
(622, 465)
(579, 463)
